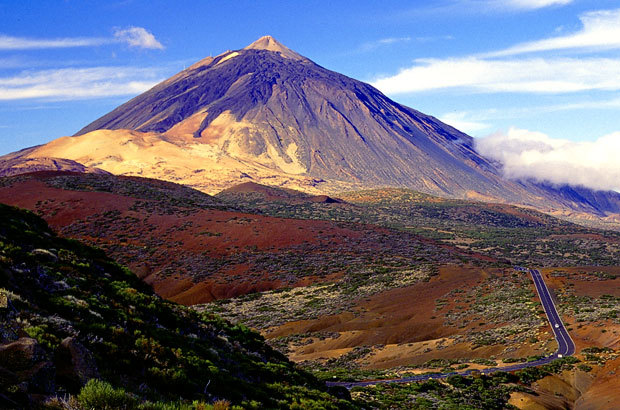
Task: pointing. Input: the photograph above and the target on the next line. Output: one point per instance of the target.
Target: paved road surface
(566, 347)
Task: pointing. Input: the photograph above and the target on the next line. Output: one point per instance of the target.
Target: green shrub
(97, 394)
(584, 367)
(43, 336)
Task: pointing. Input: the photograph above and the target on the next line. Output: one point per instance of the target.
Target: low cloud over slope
(527, 154)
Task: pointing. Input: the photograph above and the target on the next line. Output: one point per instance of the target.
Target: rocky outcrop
(25, 367)
(75, 364)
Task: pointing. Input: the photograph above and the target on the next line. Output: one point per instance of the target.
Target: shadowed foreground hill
(71, 314)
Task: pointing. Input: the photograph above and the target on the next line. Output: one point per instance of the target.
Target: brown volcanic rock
(75, 364)
(26, 360)
(21, 354)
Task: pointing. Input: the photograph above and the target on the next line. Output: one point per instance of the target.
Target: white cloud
(388, 41)
(133, 36)
(425, 39)
(462, 122)
(534, 75)
(76, 83)
(613, 103)
(372, 45)
(138, 37)
(21, 43)
(601, 31)
(534, 4)
(534, 155)
(503, 71)
(483, 6)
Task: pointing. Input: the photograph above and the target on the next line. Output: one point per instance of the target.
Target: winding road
(566, 346)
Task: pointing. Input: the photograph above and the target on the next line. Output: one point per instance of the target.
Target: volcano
(266, 114)
(268, 106)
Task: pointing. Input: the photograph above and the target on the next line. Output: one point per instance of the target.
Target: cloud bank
(534, 155)
(532, 75)
(137, 37)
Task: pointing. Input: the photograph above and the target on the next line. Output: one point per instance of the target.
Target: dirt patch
(557, 391)
(400, 315)
(592, 281)
(604, 392)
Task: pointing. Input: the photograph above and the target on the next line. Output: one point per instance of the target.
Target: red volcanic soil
(205, 232)
(402, 325)
(198, 254)
(402, 321)
(65, 206)
(604, 392)
(397, 316)
(583, 281)
(186, 291)
(586, 281)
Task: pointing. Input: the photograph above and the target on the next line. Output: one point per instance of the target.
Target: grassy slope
(154, 348)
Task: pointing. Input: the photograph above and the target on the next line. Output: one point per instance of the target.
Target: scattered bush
(100, 395)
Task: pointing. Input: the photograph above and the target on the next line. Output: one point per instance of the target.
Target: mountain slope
(267, 107)
(72, 314)
(20, 163)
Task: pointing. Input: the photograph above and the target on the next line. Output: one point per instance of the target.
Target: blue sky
(488, 67)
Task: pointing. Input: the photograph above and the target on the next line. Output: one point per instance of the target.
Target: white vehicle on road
(556, 325)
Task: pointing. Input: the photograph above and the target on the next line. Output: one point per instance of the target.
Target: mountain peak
(271, 44)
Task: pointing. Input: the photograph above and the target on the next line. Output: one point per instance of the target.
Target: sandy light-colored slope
(200, 165)
(21, 162)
